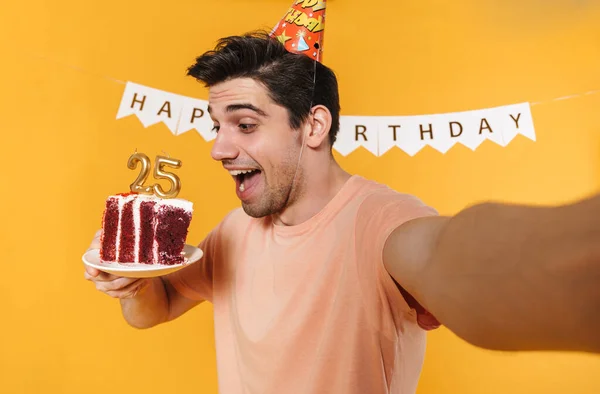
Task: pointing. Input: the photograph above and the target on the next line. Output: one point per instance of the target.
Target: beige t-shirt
(310, 309)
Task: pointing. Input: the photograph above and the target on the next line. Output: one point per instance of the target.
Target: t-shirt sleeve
(196, 281)
(378, 216)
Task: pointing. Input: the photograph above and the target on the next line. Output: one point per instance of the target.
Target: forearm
(514, 277)
(149, 307)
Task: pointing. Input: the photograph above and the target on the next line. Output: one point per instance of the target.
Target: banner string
(109, 78)
(566, 97)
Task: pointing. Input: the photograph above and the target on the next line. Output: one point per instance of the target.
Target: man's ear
(319, 124)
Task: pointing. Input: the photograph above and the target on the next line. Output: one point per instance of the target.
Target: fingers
(96, 275)
(131, 290)
(115, 284)
(90, 272)
(112, 285)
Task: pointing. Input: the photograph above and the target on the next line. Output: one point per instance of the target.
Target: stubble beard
(275, 198)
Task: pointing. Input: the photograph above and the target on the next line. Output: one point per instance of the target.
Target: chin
(261, 208)
(254, 211)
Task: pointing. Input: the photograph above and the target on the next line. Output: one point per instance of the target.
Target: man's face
(255, 144)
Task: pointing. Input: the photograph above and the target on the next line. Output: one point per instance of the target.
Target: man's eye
(216, 128)
(247, 127)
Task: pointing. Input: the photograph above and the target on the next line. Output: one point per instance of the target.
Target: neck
(320, 183)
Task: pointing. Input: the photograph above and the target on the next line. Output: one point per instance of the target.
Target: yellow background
(63, 152)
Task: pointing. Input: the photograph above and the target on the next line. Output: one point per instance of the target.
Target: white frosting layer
(186, 205)
(136, 227)
(120, 200)
(154, 241)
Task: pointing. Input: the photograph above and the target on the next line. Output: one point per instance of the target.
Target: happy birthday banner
(377, 134)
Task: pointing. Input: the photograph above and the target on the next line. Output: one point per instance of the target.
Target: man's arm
(145, 303)
(507, 277)
(155, 304)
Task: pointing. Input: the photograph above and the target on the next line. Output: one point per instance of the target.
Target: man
(325, 282)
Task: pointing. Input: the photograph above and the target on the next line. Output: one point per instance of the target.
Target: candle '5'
(159, 173)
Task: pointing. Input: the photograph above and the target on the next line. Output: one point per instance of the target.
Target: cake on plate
(146, 229)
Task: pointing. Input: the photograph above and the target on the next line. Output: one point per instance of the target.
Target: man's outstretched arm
(507, 277)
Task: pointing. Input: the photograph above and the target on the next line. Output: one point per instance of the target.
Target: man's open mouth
(245, 179)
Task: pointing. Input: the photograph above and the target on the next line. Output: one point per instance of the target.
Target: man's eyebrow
(237, 107)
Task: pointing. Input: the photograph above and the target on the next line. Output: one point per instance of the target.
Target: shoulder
(378, 198)
(231, 222)
(381, 210)
(236, 223)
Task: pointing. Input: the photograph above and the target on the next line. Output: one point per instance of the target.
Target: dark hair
(287, 76)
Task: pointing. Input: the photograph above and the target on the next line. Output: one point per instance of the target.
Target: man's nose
(224, 147)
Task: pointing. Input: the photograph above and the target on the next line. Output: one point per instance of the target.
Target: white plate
(136, 270)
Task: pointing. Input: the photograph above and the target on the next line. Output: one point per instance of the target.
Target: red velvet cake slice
(172, 222)
(145, 229)
(110, 226)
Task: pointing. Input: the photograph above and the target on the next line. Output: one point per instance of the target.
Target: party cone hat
(302, 28)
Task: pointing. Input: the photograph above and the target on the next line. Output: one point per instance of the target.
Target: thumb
(95, 244)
